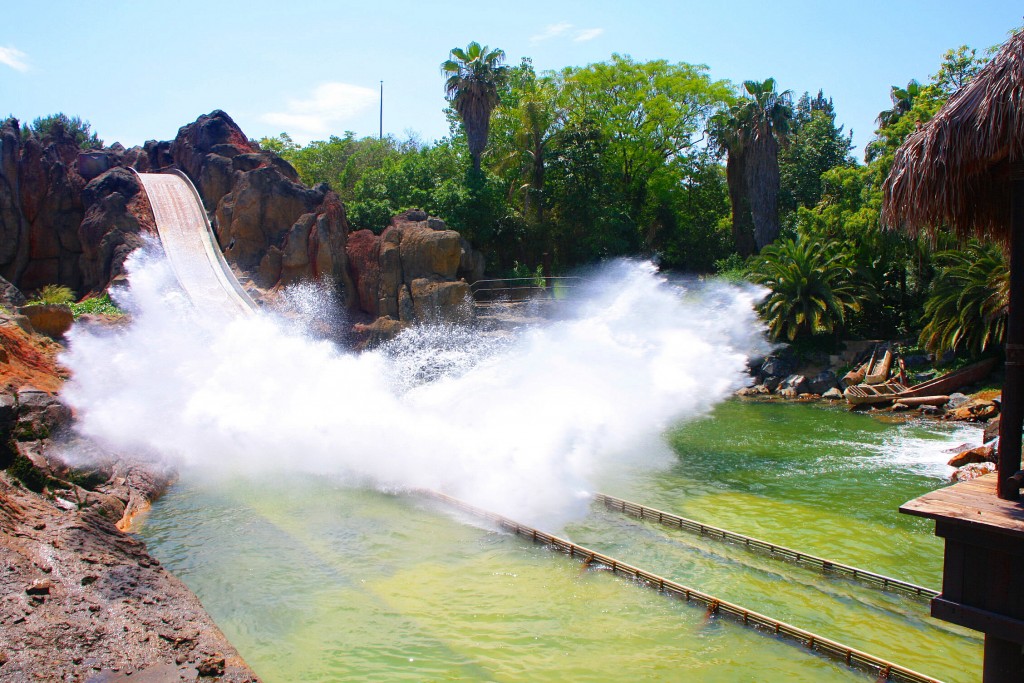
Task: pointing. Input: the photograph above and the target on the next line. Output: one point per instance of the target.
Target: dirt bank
(80, 599)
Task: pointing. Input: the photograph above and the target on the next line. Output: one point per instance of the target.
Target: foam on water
(524, 425)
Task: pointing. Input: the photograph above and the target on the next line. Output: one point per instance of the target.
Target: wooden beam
(1012, 408)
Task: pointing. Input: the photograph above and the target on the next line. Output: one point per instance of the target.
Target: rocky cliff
(70, 217)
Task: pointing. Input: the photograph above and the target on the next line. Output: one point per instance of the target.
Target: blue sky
(139, 70)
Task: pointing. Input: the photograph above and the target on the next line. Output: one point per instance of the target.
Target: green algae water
(315, 581)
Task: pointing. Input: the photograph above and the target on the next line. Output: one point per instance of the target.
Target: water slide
(191, 246)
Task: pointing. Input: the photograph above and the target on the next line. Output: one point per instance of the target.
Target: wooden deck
(971, 503)
(982, 568)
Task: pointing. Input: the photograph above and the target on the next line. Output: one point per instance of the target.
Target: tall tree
(726, 130)
(769, 114)
(753, 129)
(649, 114)
(816, 145)
(474, 77)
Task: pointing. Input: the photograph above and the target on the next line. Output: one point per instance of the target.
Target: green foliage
(912, 106)
(54, 294)
(813, 288)
(958, 67)
(816, 145)
(967, 307)
(79, 130)
(282, 144)
(645, 117)
(28, 474)
(474, 77)
(96, 305)
(732, 268)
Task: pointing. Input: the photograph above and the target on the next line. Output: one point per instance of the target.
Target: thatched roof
(955, 171)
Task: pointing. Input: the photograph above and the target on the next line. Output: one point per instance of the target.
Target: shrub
(54, 294)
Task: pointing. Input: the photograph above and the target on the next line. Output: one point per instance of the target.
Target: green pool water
(316, 581)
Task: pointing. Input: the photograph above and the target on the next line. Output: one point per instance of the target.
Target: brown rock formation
(40, 209)
(117, 216)
(408, 272)
(53, 320)
(71, 217)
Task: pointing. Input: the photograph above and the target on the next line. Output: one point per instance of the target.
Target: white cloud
(551, 31)
(577, 35)
(585, 34)
(14, 58)
(329, 107)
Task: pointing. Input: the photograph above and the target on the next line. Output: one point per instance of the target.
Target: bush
(54, 294)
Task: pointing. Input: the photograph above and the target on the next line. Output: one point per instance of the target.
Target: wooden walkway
(773, 550)
(856, 659)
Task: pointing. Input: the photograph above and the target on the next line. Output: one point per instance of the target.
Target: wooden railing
(881, 669)
(773, 550)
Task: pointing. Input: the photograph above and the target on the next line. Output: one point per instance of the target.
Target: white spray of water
(525, 426)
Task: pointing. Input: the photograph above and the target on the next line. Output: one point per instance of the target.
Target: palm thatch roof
(957, 170)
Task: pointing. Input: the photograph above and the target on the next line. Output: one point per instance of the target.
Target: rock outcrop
(410, 272)
(80, 599)
(40, 208)
(71, 217)
(117, 216)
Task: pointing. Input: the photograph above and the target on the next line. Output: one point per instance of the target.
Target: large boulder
(117, 217)
(427, 248)
(363, 253)
(435, 301)
(822, 382)
(52, 320)
(972, 455)
(408, 272)
(259, 212)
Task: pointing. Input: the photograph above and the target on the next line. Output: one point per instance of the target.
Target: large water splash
(524, 425)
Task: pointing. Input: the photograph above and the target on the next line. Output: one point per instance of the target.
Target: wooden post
(1004, 661)
(1012, 408)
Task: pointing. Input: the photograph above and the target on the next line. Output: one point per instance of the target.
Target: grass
(97, 305)
(53, 294)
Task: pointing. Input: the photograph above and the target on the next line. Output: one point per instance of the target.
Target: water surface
(314, 581)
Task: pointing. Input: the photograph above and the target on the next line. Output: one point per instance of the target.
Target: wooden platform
(972, 503)
(984, 560)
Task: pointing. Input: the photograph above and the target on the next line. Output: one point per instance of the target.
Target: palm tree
(813, 287)
(902, 102)
(752, 130)
(535, 120)
(968, 305)
(474, 75)
(727, 134)
(768, 114)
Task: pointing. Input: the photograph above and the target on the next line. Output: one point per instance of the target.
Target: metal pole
(1012, 408)
(380, 135)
